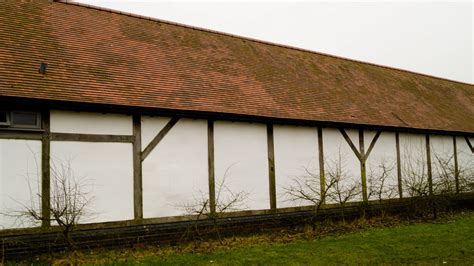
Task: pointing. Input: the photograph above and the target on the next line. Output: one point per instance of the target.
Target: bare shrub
(415, 173)
(378, 179)
(307, 189)
(466, 174)
(226, 200)
(68, 201)
(416, 183)
(446, 181)
(342, 192)
(466, 178)
(444, 174)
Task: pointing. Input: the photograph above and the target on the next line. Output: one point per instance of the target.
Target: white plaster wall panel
(241, 150)
(383, 158)
(441, 147)
(465, 160)
(105, 172)
(413, 160)
(442, 158)
(335, 147)
(296, 149)
(20, 180)
(91, 123)
(151, 126)
(368, 136)
(175, 173)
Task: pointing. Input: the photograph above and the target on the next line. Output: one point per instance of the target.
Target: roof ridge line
(71, 2)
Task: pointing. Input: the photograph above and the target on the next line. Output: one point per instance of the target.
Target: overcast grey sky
(434, 38)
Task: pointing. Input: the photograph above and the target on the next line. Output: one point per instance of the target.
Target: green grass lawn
(449, 241)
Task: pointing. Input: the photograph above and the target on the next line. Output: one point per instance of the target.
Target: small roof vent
(42, 68)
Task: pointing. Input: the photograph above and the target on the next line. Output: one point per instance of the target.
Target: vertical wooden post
(137, 168)
(399, 165)
(45, 169)
(210, 162)
(363, 174)
(456, 165)
(271, 166)
(322, 179)
(428, 162)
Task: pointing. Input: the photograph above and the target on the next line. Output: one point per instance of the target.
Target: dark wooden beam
(271, 166)
(91, 137)
(469, 144)
(428, 162)
(322, 179)
(91, 107)
(149, 148)
(349, 141)
(362, 156)
(365, 156)
(45, 169)
(399, 165)
(456, 165)
(363, 171)
(26, 135)
(137, 168)
(210, 162)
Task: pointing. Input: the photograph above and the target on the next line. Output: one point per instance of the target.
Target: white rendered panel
(413, 161)
(296, 154)
(441, 147)
(442, 160)
(175, 173)
(368, 136)
(105, 172)
(151, 126)
(338, 154)
(466, 163)
(381, 166)
(90, 123)
(20, 180)
(241, 151)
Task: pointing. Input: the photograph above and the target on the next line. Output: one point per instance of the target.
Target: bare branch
(378, 181)
(68, 201)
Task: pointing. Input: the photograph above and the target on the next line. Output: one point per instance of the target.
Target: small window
(20, 119)
(4, 118)
(25, 119)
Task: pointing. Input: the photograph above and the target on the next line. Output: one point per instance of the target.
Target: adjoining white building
(152, 114)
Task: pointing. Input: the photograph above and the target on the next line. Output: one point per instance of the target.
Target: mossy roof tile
(101, 57)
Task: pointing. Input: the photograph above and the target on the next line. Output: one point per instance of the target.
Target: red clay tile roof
(101, 57)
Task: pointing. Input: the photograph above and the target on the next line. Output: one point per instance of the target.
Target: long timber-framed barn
(154, 115)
